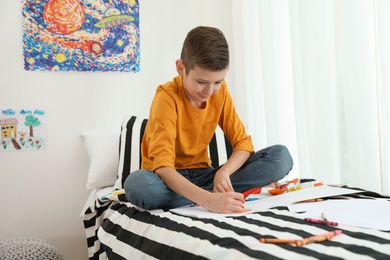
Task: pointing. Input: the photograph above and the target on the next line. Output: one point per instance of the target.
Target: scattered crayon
(323, 222)
(277, 241)
(302, 242)
(318, 238)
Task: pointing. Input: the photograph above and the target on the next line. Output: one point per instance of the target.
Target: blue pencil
(250, 199)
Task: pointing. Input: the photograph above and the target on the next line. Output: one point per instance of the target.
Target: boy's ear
(181, 70)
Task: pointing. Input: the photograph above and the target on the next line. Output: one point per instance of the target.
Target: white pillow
(103, 151)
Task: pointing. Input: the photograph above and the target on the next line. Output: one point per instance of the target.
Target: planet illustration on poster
(63, 16)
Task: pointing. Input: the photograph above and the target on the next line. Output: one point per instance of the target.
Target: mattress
(116, 229)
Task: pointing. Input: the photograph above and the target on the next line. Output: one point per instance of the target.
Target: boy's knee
(286, 161)
(132, 181)
(134, 187)
(144, 189)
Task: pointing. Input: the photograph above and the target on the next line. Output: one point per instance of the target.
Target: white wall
(43, 192)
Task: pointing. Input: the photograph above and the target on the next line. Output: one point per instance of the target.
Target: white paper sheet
(366, 213)
(266, 203)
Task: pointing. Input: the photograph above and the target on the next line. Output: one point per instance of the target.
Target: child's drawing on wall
(22, 129)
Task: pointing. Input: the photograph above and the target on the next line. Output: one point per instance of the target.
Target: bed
(115, 229)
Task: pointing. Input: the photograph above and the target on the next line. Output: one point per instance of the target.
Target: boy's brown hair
(206, 48)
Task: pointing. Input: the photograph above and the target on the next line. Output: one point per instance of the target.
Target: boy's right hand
(227, 202)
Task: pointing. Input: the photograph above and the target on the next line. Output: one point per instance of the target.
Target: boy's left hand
(222, 182)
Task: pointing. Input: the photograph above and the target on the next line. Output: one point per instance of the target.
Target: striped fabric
(132, 131)
(117, 230)
(131, 233)
(130, 148)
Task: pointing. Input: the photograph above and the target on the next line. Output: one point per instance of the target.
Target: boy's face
(200, 84)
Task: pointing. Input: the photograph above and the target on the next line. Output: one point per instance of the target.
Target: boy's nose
(208, 90)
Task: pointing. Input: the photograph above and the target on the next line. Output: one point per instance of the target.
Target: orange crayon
(318, 238)
(277, 241)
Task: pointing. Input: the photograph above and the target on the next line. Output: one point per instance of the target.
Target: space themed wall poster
(81, 35)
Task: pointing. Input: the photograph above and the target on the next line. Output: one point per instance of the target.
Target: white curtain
(315, 75)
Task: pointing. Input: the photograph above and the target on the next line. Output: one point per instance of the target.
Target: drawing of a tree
(32, 122)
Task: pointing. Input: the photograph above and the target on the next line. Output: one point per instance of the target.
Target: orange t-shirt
(177, 133)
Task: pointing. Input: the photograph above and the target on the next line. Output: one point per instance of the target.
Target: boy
(183, 117)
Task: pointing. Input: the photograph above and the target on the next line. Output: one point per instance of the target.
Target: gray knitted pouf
(28, 249)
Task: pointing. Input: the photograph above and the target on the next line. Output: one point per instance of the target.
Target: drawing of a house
(8, 127)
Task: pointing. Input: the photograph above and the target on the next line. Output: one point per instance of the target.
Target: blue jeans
(145, 189)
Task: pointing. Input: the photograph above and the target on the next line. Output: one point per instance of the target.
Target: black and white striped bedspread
(129, 233)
